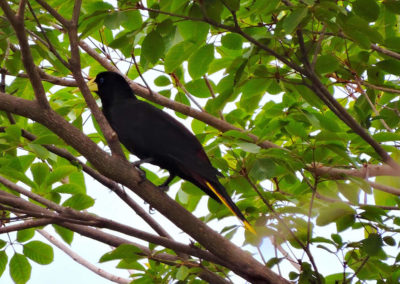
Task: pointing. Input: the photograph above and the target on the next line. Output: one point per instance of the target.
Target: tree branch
(104, 181)
(77, 258)
(115, 241)
(27, 59)
(26, 225)
(122, 171)
(338, 173)
(109, 134)
(54, 13)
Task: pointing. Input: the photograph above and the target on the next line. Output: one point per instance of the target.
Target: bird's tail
(227, 201)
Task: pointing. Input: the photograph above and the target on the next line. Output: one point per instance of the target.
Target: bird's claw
(142, 161)
(164, 188)
(142, 174)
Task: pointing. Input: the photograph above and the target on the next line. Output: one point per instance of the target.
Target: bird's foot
(142, 161)
(142, 174)
(164, 188)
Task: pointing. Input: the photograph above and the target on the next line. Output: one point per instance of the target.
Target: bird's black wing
(148, 132)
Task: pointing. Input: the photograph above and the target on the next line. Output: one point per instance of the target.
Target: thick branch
(26, 225)
(338, 173)
(121, 171)
(109, 134)
(103, 180)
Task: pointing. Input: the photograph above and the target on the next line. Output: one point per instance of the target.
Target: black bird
(156, 137)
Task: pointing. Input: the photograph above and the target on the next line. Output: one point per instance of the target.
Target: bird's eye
(101, 80)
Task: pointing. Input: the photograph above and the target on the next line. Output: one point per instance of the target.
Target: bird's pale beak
(92, 85)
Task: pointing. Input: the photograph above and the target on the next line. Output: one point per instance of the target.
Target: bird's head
(111, 87)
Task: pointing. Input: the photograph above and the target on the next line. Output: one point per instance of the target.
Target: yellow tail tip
(249, 228)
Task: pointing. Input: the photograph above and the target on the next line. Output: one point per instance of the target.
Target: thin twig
(77, 258)
(318, 47)
(139, 72)
(360, 89)
(210, 89)
(54, 13)
(180, 85)
(27, 59)
(49, 44)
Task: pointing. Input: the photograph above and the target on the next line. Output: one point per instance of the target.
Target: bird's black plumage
(149, 133)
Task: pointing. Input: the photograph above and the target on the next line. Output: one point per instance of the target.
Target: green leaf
(233, 5)
(13, 132)
(193, 30)
(182, 273)
(296, 129)
(345, 222)
(337, 239)
(326, 64)
(386, 137)
(131, 19)
(392, 5)
(254, 87)
(20, 269)
(79, 202)
(273, 261)
(309, 96)
(162, 81)
(41, 152)
(373, 244)
(123, 251)
(237, 135)
(153, 47)
(359, 37)
(200, 60)
(367, 9)
(40, 171)
(249, 147)
(3, 261)
(39, 252)
(198, 88)
(336, 278)
(14, 174)
(66, 234)
(191, 189)
(390, 241)
(232, 41)
(293, 275)
(69, 188)
(131, 264)
(291, 22)
(385, 198)
(331, 213)
(48, 140)
(390, 65)
(177, 54)
(263, 169)
(351, 191)
(25, 235)
(59, 173)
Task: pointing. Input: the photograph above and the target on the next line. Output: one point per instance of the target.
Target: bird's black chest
(134, 128)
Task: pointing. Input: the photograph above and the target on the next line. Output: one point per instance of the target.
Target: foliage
(301, 116)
